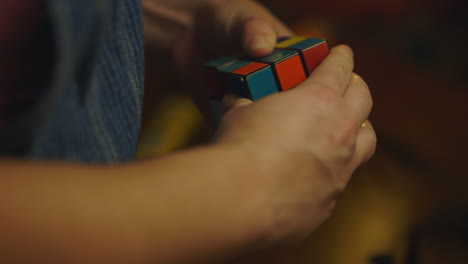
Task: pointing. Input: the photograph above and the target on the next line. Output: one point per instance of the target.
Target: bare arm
(272, 176)
(179, 207)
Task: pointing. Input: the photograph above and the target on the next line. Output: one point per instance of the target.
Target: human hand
(222, 26)
(193, 30)
(312, 138)
(212, 29)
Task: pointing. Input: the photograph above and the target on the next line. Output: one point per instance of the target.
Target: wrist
(274, 165)
(209, 207)
(263, 166)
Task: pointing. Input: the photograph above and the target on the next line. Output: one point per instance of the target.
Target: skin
(250, 189)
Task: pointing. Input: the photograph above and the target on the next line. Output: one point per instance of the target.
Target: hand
(215, 28)
(200, 29)
(313, 138)
(223, 26)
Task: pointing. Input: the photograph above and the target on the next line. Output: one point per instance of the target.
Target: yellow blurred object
(169, 127)
(373, 217)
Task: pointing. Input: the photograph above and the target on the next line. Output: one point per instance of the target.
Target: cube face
(254, 81)
(288, 68)
(315, 55)
(249, 79)
(289, 65)
(250, 68)
(313, 51)
(287, 42)
(261, 83)
(218, 78)
(236, 65)
(290, 73)
(235, 83)
(278, 55)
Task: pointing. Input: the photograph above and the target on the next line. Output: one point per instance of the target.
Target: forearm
(207, 202)
(179, 207)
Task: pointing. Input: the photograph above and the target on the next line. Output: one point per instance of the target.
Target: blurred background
(409, 204)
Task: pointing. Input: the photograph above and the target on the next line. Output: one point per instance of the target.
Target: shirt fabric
(91, 109)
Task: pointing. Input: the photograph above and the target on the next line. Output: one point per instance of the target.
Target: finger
(335, 71)
(260, 32)
(357, 99)
(258, 37)
(244, 24)
(366, 143)
(231, 101)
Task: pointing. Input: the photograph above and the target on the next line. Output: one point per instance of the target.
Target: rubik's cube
(254, 78)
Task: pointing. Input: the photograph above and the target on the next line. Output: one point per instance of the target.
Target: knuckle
(373, 144)
(343, 149)
(358, 79)
(370, 145)
(370, 100)
(343, 139)
(345, 131)
(367, 93)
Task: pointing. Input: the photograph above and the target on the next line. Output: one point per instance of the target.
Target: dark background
(409, 204)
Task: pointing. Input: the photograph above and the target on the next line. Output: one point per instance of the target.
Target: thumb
(241, 24)
(258, 37)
